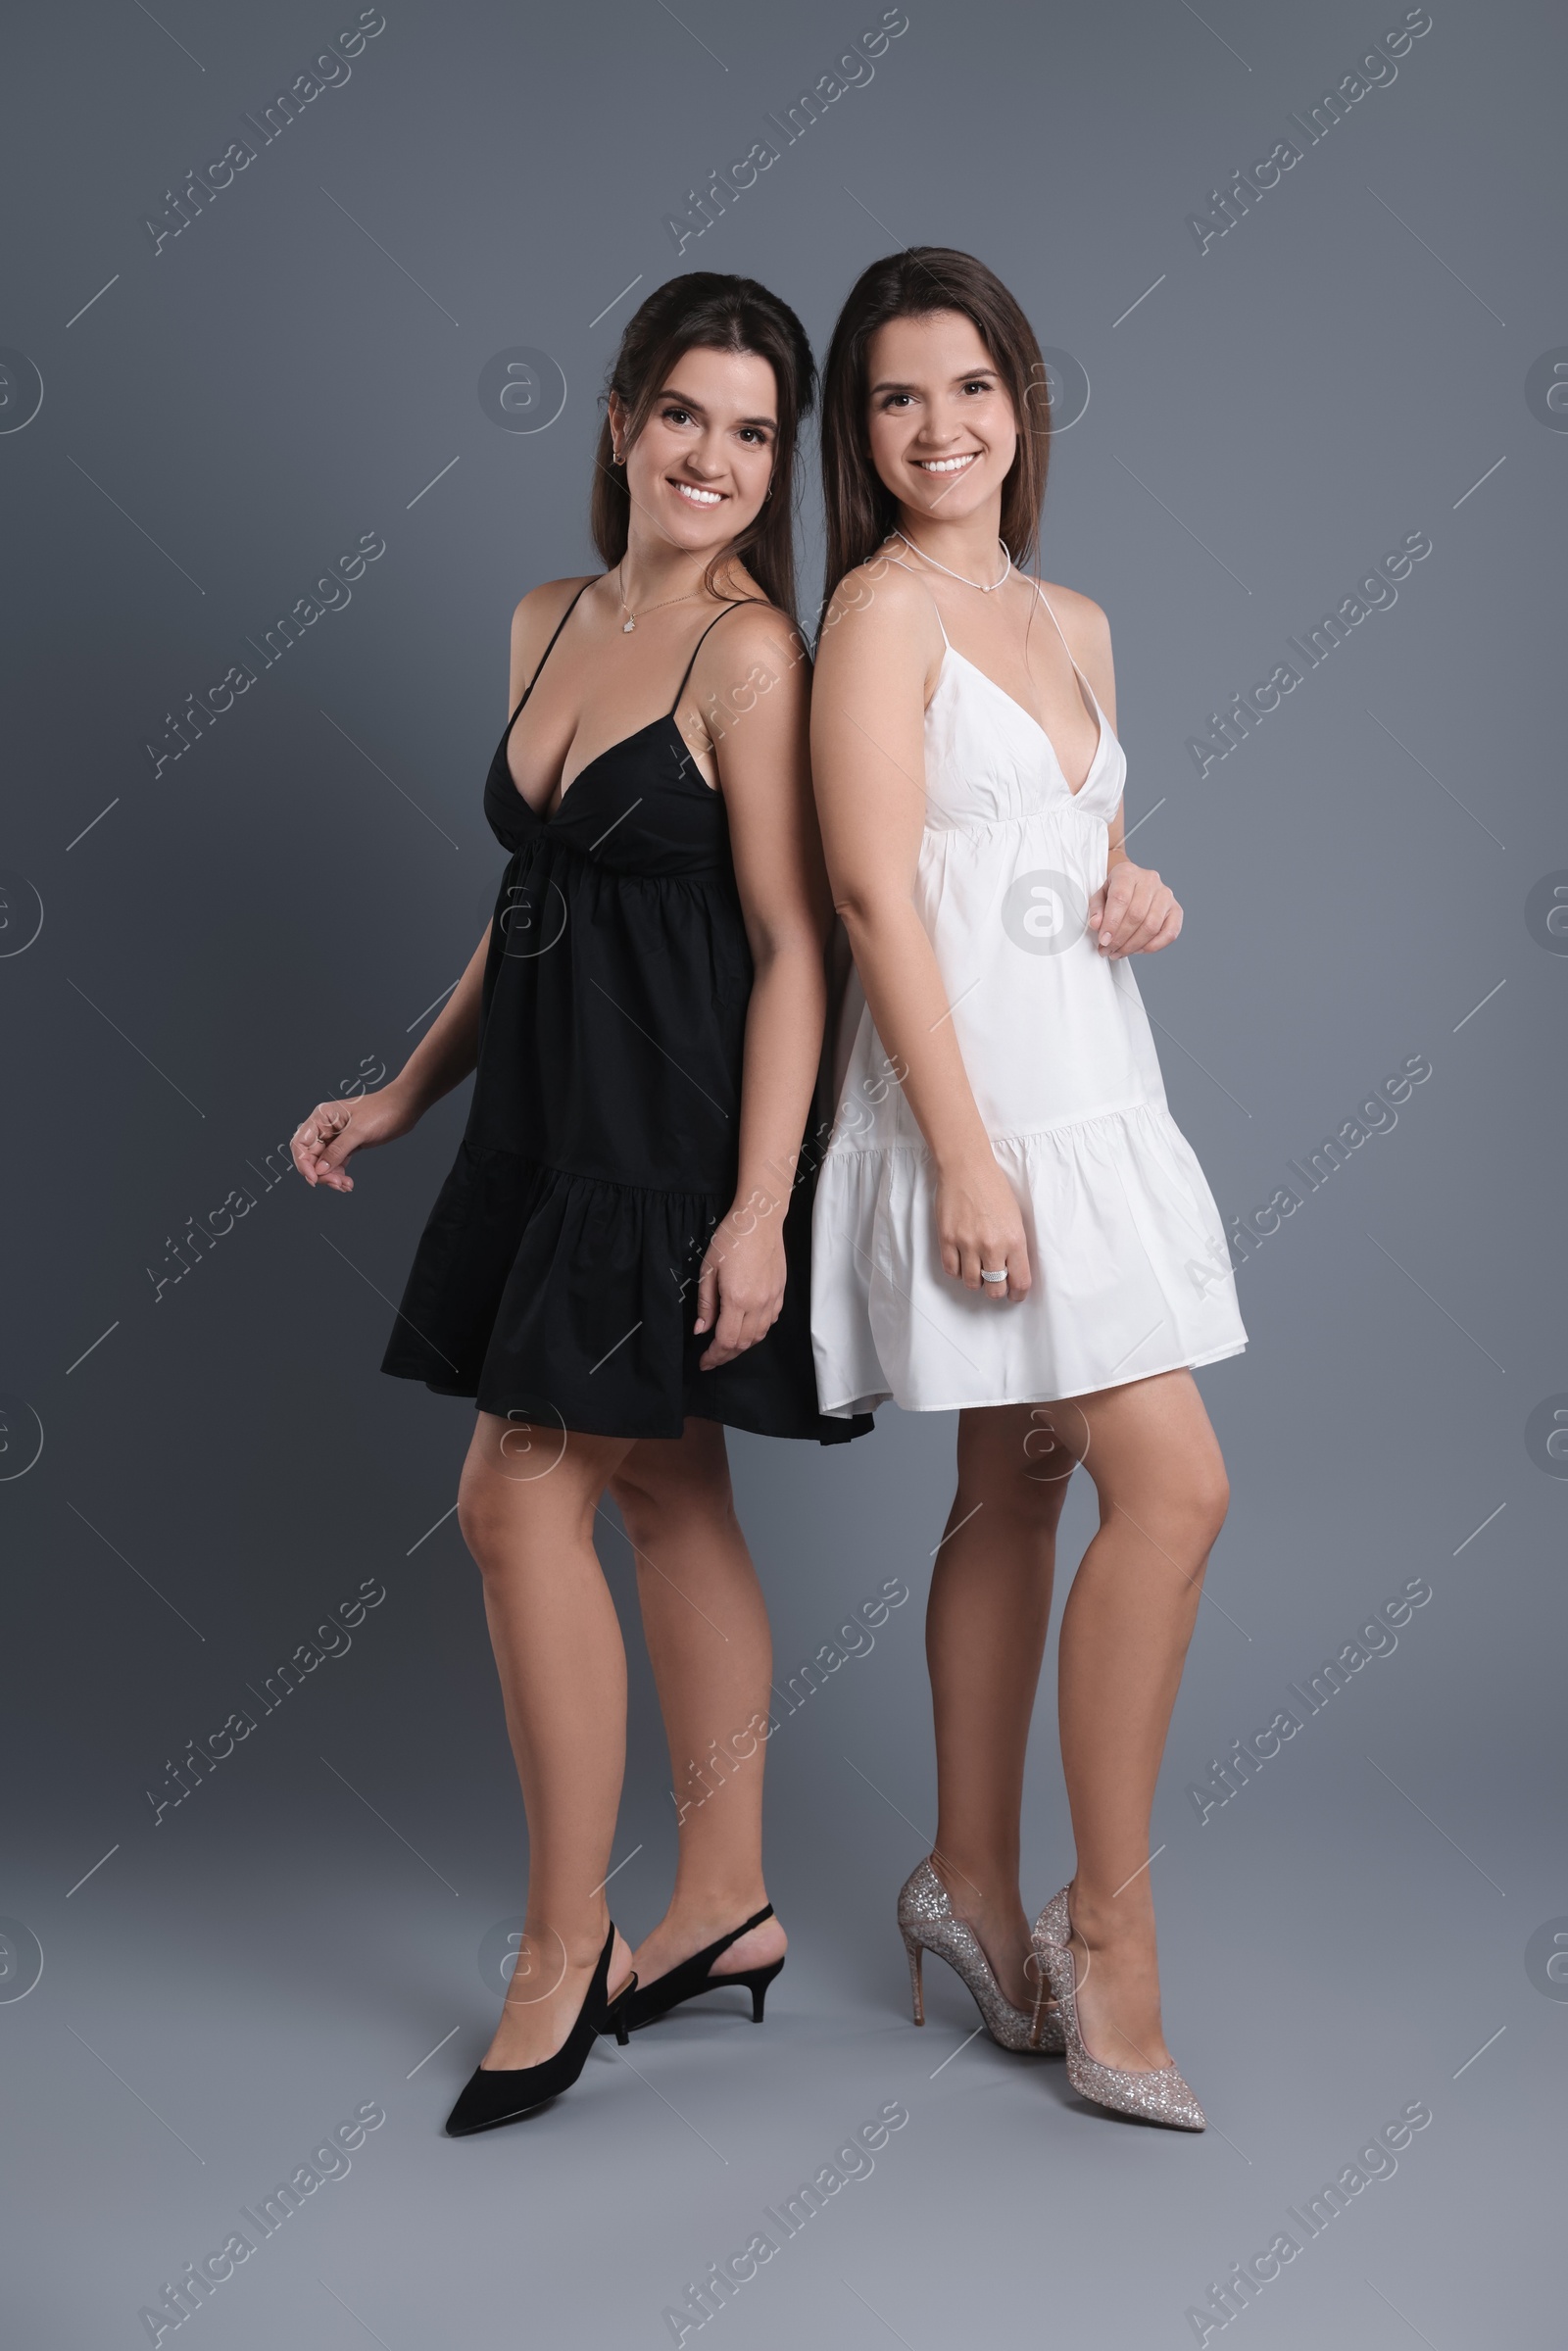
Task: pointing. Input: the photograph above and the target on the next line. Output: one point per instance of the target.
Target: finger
(324, 1124)
(1169, 930)
(1002, 1259)
(728, 1342)
(969, 1266)
(707, 1296)
(1124, 914)
(1020, 1274)
(741, 1333)
(1114, 896)
(1096, 909)
(308, 1141)
(1136, 942)
(728, 1327)
(337, 1141)
(1130, 940)
(342, 1141)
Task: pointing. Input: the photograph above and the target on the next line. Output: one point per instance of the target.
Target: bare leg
(1129, 1617)
(558, 1649)
(1162, 1496)
(708, 1636)
(985, 1637)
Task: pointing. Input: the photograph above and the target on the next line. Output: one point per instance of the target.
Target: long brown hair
(708, 312)
(915, 284)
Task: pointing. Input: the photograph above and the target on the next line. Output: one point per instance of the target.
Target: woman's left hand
(1132, 912)
(740, 1289)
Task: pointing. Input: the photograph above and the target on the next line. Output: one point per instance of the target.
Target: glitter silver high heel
(1162, 2096)
(927, 1923)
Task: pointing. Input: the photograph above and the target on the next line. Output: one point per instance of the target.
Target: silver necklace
(987, 587)
(631, 619)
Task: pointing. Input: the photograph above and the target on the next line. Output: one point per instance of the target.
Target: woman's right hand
(336, 1130)
(979, 1223)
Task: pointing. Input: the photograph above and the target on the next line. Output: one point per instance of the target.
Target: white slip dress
(1132, 1274)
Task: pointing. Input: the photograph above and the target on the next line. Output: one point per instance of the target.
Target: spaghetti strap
(549, 650)
(1068, 650)
(702, 640)
(1056, 625)
(913, 574)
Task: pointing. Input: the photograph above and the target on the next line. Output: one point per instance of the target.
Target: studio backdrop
(305, 324)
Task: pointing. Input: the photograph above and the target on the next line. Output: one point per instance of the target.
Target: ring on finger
(986, 1275)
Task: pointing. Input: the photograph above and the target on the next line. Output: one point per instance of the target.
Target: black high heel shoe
(504, 2093)
(645, 2004)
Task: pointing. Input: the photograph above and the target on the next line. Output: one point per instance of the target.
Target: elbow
(866, 912)
(796, 949)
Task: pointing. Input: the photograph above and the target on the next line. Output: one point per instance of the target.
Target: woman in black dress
(617, 1266)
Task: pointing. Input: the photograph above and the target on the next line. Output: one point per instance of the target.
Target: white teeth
(944, 465)
(698, 497)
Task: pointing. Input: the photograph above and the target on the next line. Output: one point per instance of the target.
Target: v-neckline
(548, 816)
(688, 769)
(952, 653)
(665, 719)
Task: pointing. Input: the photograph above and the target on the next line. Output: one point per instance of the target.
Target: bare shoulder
(878, 608)
(751, 650)
(540, 611)
(754, 630)
(1083, 622)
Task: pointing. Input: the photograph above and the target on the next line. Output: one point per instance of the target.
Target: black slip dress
(556, 1278)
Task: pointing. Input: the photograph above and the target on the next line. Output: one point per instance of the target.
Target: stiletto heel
(692, 1977)
(756, 1981)
(914, 1948)
(927, 1923)
(504, 2093)
(1162, 2096)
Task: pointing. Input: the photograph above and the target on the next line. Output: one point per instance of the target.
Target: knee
(1194, 1510)
(488, 1518)
(479, 1523)
(1209, 1500)
(1016, 1465)
(650, 1500)
(1015, 1497)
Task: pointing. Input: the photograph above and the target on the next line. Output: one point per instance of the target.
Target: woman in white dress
(1008, 1221)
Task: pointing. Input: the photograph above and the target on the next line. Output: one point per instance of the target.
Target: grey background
(278, 911)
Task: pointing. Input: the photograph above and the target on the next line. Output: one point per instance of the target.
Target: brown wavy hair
(915, 284)
(705, 311)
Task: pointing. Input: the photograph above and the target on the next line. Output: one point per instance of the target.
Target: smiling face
(943, 430)
(701, 467)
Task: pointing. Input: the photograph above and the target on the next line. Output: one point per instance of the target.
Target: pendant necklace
(987, 587)
(631, 619)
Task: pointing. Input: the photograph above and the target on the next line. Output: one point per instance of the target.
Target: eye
(978, 383)
(753, 435)
(677, 415)
(893, 400)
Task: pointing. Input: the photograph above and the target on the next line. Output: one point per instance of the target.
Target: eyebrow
(684, 400)
(965, 375)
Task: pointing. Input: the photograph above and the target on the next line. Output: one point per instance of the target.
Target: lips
(946, 465)
(694, 495)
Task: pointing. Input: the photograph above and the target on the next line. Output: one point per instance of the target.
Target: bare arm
(876, 667)
(1132, 912)
(448, 1050)
(443, 1058)
(755, 669)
